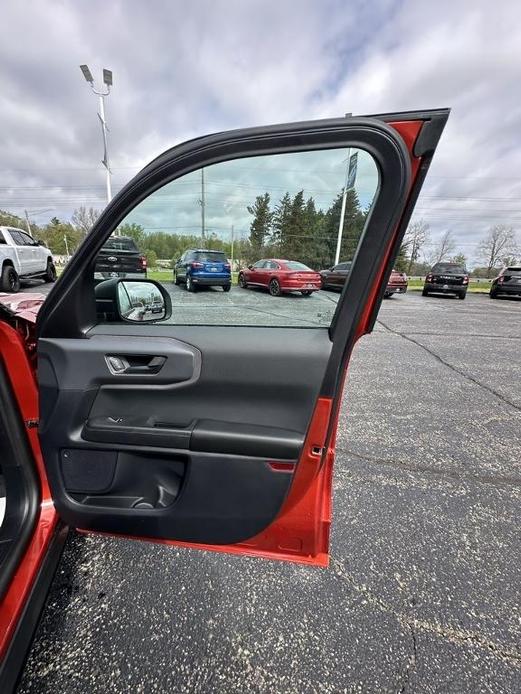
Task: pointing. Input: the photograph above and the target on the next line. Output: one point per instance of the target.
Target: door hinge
(32, 423)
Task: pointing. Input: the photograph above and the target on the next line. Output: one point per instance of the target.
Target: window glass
(244, 215)
(17, 237)
(2, 237)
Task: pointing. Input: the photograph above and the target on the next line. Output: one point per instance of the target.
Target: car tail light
(500, 279)
(465, 280)
(197, 266)
(143, 262)
(404, 277)
(428, 278)
(227, 266)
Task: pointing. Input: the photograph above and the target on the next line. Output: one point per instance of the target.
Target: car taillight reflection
(197, 265)
(143, 261)
(500, 280)
(428, 278)
(227, 266)
(465, 280)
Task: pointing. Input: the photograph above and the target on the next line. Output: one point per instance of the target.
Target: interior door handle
(120, 364)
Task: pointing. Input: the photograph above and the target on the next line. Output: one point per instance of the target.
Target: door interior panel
(170, 452)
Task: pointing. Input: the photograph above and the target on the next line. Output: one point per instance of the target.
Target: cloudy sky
(183, 69)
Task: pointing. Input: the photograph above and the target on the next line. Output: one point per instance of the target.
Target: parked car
(120, 257)
(397, 284)
(280, 276)
(446, 278)
(507, 283)
(23, 258)
(335, 277)
(203, 268)
(218, 438)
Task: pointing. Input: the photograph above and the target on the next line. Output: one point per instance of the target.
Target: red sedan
(280, 277)
(397, 284)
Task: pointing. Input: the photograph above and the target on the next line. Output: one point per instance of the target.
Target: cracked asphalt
(422, 593)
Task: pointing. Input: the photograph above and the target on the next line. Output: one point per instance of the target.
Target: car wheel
(242, 282)
(190, 284)
(50, 273)
(274, 287)
(306, 292)
(425, 293)
(176, 280)
(227, 287)
(493, 294)
(387, 295)
(10, 282)
(462, 295)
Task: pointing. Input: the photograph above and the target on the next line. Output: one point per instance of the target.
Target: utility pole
(231, 259)
(203, 230)
(66, 247)
(349, 183)
(107, 81)
(28, 223)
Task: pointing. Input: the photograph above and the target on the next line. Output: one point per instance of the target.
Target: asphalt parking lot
(422, 594)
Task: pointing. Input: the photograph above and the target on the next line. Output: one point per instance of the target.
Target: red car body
(280, 276)
(397, 284)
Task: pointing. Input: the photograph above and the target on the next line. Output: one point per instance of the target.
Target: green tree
(134, 231)
(151, 257)
(84, 219)
(260, 227)
(281, 224)
(460, 259)
(354, 220)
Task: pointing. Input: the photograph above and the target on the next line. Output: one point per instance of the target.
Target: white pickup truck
(21, 257)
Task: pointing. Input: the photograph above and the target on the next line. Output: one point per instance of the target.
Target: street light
(107, 81)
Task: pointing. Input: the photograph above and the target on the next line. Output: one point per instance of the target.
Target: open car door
(208, 417)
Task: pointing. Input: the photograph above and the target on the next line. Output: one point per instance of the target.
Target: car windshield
(210, 256)
(293, 265)
(116, 243)
(449, 268)
(513, 271)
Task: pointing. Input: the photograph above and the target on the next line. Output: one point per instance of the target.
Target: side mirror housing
(132, 301)
(250, 267)
(41, 243)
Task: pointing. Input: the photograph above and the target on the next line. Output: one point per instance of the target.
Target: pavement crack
(442, 474)
(450, 366)
(452, 634)
(411, 664)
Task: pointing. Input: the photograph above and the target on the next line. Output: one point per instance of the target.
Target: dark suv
(447, 278)
(200, 267)
(507, 283)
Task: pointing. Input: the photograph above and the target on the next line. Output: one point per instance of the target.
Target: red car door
(209, 425)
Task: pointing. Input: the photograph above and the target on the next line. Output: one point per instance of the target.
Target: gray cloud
(185, 69)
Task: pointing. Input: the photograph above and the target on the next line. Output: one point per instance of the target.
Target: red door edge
(21, 376)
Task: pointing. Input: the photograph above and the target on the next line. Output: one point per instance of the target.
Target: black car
(507, 283)
(335, 277)
(447, 278)
(120, 257)
(201, 267)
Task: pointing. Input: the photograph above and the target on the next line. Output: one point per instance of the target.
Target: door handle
(144, 364)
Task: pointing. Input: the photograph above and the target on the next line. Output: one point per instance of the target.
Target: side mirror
(133, 301)
(41, 243)
(250, 267)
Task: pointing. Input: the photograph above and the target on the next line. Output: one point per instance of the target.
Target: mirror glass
(140, 301)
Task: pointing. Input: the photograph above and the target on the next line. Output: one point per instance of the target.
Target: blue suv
(200, 267)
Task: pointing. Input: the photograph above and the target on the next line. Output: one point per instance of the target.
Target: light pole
(107, 81)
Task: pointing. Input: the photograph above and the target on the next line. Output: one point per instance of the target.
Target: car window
(256, 209)
(27, 240)
(291, 265)
(17, 237)
(2, 237)
(115, 243)
(342, 267)
(449, 268)
(210, 257)
(513, 271)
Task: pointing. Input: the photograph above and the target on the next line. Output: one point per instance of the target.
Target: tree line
(293, 227)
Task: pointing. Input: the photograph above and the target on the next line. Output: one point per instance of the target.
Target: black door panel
(174, 453)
